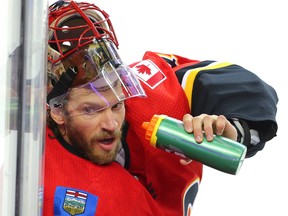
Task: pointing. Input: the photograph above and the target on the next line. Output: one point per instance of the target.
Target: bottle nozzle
(145, 125)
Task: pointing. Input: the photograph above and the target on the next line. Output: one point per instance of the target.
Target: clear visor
(114, 83)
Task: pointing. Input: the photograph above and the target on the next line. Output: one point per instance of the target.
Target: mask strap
(63, 84)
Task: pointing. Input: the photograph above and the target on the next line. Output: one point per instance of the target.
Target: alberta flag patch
(149, 73)
(70, 201)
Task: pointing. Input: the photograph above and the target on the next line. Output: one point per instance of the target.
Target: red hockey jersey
(174, 86)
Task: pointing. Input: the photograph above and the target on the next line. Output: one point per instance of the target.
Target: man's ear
(58, 118)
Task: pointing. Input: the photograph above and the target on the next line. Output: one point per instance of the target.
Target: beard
(91, 151)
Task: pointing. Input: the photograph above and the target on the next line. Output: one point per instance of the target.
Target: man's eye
(118, 105)
(90, 110)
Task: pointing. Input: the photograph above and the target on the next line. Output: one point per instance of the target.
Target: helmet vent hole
(65, 29)
(66, 44)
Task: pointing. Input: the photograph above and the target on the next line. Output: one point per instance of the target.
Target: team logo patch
(69, 201)
(149, 73)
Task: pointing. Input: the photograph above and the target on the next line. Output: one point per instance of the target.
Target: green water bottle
(169, 134)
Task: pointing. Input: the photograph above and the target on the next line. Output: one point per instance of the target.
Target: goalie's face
(93, 130)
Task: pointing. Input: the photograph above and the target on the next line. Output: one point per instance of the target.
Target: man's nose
(108, 120)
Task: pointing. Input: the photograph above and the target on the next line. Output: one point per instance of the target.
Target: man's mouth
(107, 143)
